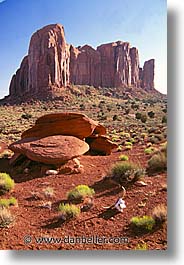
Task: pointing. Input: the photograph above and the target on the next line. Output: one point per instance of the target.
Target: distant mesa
(52, 64)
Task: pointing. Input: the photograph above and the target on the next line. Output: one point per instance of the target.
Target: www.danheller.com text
(95, 239)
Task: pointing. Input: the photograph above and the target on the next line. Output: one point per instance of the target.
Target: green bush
(8, 202)
(138, 115)
(80, 192)
(6, 183)
(123, 172)
(143, 223)
(26, 116)
(69, 210)
(151, 114)
(149, 150)
(143, 117)
(123, 157)
(164, 119)
(115, 117)
(128, 143)
(6, 217)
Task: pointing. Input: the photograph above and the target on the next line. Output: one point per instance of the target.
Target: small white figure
(120, 205)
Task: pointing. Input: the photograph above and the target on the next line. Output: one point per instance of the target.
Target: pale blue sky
(141, 22)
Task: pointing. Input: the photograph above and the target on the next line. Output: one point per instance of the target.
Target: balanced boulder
(72, 124)
(50, 150)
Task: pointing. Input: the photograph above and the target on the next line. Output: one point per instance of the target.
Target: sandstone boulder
(72, 124)
(101, 144)
(50, 150)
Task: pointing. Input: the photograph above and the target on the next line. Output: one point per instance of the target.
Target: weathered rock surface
(47, 64)
(85, 66)
(73, 124)
(50, 150)
(148, 75)
(101, 144)
(51, 63)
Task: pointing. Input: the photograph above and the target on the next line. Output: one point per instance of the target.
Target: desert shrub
(6, 183)
(149, 150)
(26, 116)
(143, 223)
(143, 117)
(151, 114)
(141, 246)
(48, 192)
(153, 139)
(6, 217)
(127, 111)
(115, 117)
(8, 202)
(138, 115)
(69, 210)
(164, 119)
(159, 214)
(82, 107)
(157, 163)
(123, 157)
(152, 130)
(164, 110)
(119, 149)
(126, 171)
(128, 143)
(80, 192)
(128, 147)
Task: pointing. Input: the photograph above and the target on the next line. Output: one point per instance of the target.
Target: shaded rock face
(85, 66)
(101, 144)
(51, 63)
(148, 75)
(50, 150)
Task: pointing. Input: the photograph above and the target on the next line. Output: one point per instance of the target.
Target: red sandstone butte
(52, 64)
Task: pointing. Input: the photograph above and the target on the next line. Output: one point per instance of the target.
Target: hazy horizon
(142, 23)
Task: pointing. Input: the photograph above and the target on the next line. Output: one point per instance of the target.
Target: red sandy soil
(31, 219)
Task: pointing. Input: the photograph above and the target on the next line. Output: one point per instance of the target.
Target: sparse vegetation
(149, 150)
(48, 192)
(80, 192)
(123, 157)
(142, 246)
(143, 223)
(8, 202)
(158, 162)
(6, 218)
(160, 213)
(123, 172)
(6, 183)
(68, 211)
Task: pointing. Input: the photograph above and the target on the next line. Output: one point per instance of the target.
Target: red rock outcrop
(85, 66)
(47, 64)
(50, 150)
(73, 124)
(51, 64)
(148, 75)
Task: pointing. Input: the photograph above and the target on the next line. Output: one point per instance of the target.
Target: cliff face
(51, 63)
